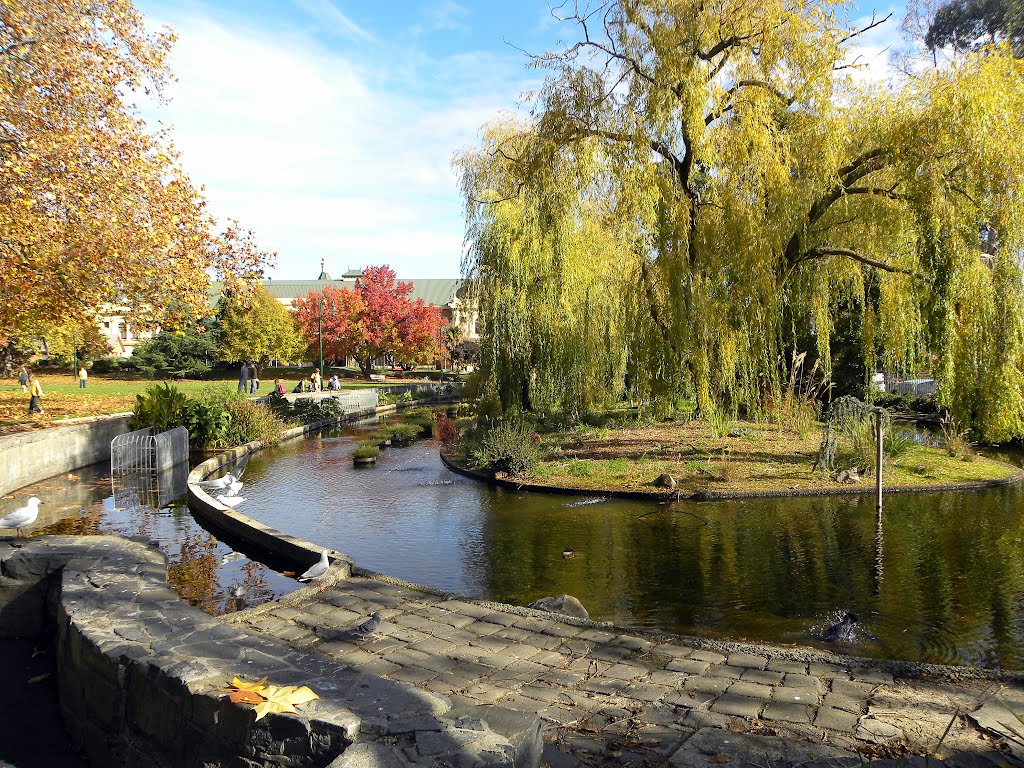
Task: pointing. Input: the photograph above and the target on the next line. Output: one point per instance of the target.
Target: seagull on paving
(230, 501)
(20, 518)
(318, 569)
(220, 483)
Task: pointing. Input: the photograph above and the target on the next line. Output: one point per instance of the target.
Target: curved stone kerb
(142, 676)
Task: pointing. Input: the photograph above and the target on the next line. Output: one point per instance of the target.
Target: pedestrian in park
(314, 380)
(23, 378)
(243, 378)
(254, 379)
(35, 391)
(279, 387)
(83, 377)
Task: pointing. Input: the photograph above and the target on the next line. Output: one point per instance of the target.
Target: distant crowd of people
(248, 381)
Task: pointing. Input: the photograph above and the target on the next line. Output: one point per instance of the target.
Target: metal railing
(142, 451)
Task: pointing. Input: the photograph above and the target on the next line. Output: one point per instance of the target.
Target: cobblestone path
(618, 698)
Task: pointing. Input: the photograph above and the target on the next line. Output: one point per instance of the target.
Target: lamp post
(320, 330)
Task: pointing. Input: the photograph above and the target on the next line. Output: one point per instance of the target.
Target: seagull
(220, 483)
(230, 501)
(20, 518)
(318, 569)
(234, 488)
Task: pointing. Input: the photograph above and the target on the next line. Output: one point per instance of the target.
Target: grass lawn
(63, 399)
(755, 458)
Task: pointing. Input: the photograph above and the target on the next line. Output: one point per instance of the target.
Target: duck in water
(839, 631)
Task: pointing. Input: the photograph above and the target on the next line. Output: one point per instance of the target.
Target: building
(448, 294)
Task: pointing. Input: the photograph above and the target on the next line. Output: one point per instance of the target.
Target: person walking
(243, 378)
(23, 378)
(35, 391)
(254, 379)
(83, 377)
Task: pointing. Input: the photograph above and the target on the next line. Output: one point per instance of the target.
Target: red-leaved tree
(375, 319)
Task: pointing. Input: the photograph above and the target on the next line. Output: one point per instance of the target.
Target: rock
(665, 481)
(564, 604)
(849, 476)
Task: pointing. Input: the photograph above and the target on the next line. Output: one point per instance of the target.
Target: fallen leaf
(243, 696)
(721, 758)
(38, 678)
(289, 574)
(242, 685)
(283, 699)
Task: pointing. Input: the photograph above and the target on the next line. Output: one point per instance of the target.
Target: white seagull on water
(220, 483)
(23, 517)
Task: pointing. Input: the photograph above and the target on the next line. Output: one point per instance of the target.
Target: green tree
(697, 179)
(968, 25)
(258, 327)
(185, 353)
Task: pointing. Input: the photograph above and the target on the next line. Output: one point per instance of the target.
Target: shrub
(954, 439)
(250, 421)
(444, 428)
(366, 450)
(508, 448)
(113, 364)
(403, 434)
(387, 397)
(161, 407)
(896, 443)
(208, 420)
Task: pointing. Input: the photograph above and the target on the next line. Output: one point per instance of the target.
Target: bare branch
(827, 250)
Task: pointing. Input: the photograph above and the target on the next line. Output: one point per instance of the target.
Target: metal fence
(142, 451)
(357, 400)
(914, 387)
(141, 490)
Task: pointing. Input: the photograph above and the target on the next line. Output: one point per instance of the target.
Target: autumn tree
(699, 180)
(255, 326)
(94, 207)
(376, 319)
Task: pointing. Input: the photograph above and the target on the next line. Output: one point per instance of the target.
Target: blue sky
(328, 126)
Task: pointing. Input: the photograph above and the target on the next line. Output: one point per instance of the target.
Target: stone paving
(619, 698)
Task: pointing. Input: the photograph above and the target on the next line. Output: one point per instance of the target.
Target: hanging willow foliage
(701, 180)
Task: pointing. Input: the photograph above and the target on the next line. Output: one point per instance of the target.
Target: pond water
(204, 570)
(939, 578)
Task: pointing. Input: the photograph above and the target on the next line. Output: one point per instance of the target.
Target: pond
(939, 578)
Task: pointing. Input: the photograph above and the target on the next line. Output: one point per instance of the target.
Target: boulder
(564, 604)
(665, 481)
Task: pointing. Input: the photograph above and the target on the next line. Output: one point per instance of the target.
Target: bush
(402, 434)
(508, 448)
(250, 421)
(161, 407)
(387, 397)
(114, 364)
(208, 420)
(444, 428)
(366, 450)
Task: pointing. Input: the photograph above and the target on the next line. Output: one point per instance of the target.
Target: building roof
(437, 291)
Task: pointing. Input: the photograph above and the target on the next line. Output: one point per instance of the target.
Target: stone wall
(28, 457)
(142, 675)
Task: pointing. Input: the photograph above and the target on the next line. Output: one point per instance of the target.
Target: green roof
(439, 292)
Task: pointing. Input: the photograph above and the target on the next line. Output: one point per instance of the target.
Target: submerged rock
(564, 604)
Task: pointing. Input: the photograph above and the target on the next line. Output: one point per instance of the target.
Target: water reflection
(936, 578)
(203, 570)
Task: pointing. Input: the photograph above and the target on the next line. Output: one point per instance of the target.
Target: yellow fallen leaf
(242, 696)
(241, 685)
(283, 699)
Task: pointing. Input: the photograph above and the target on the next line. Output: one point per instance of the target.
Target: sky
(328, 127)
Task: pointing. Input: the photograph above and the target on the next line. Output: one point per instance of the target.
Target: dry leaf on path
(244, 696)
(283, 699)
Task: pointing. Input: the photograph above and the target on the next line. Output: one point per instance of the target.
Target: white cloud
(324, 155)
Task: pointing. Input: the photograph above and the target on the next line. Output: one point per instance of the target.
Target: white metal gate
(142, 451)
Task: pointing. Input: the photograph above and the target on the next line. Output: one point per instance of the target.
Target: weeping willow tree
(700, 179)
